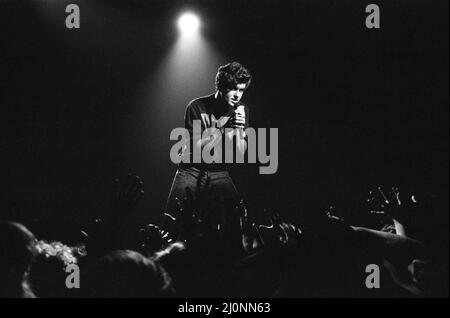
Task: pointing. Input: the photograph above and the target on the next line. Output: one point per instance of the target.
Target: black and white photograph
(224, 154)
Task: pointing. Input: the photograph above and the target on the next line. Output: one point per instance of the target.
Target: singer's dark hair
(231, 74)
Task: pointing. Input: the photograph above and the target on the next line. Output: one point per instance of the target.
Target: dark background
(356, 108)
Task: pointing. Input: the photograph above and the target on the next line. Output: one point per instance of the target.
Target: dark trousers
(218, 198)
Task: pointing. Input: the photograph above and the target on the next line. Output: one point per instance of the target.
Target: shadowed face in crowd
(17, 247)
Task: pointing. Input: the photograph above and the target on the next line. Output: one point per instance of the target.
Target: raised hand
(188, 221)
(394, 205)
(126, 195)
(103, 235)
(281, 233)
(238, 119)
(334, 214)
(272, 232)
(151, 238)
(251, 239)
(274, 221)
(381, 200)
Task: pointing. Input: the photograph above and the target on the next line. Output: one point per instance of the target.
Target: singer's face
(233, 96)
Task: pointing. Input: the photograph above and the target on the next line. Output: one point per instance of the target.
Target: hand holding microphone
(238, 118)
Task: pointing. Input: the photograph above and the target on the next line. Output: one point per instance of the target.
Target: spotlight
(188, 23)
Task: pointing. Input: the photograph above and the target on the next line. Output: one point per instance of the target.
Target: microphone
(240, 108)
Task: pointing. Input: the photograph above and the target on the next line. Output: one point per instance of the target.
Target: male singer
(222, 109)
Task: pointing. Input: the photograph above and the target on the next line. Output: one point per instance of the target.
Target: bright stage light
(188, 23)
